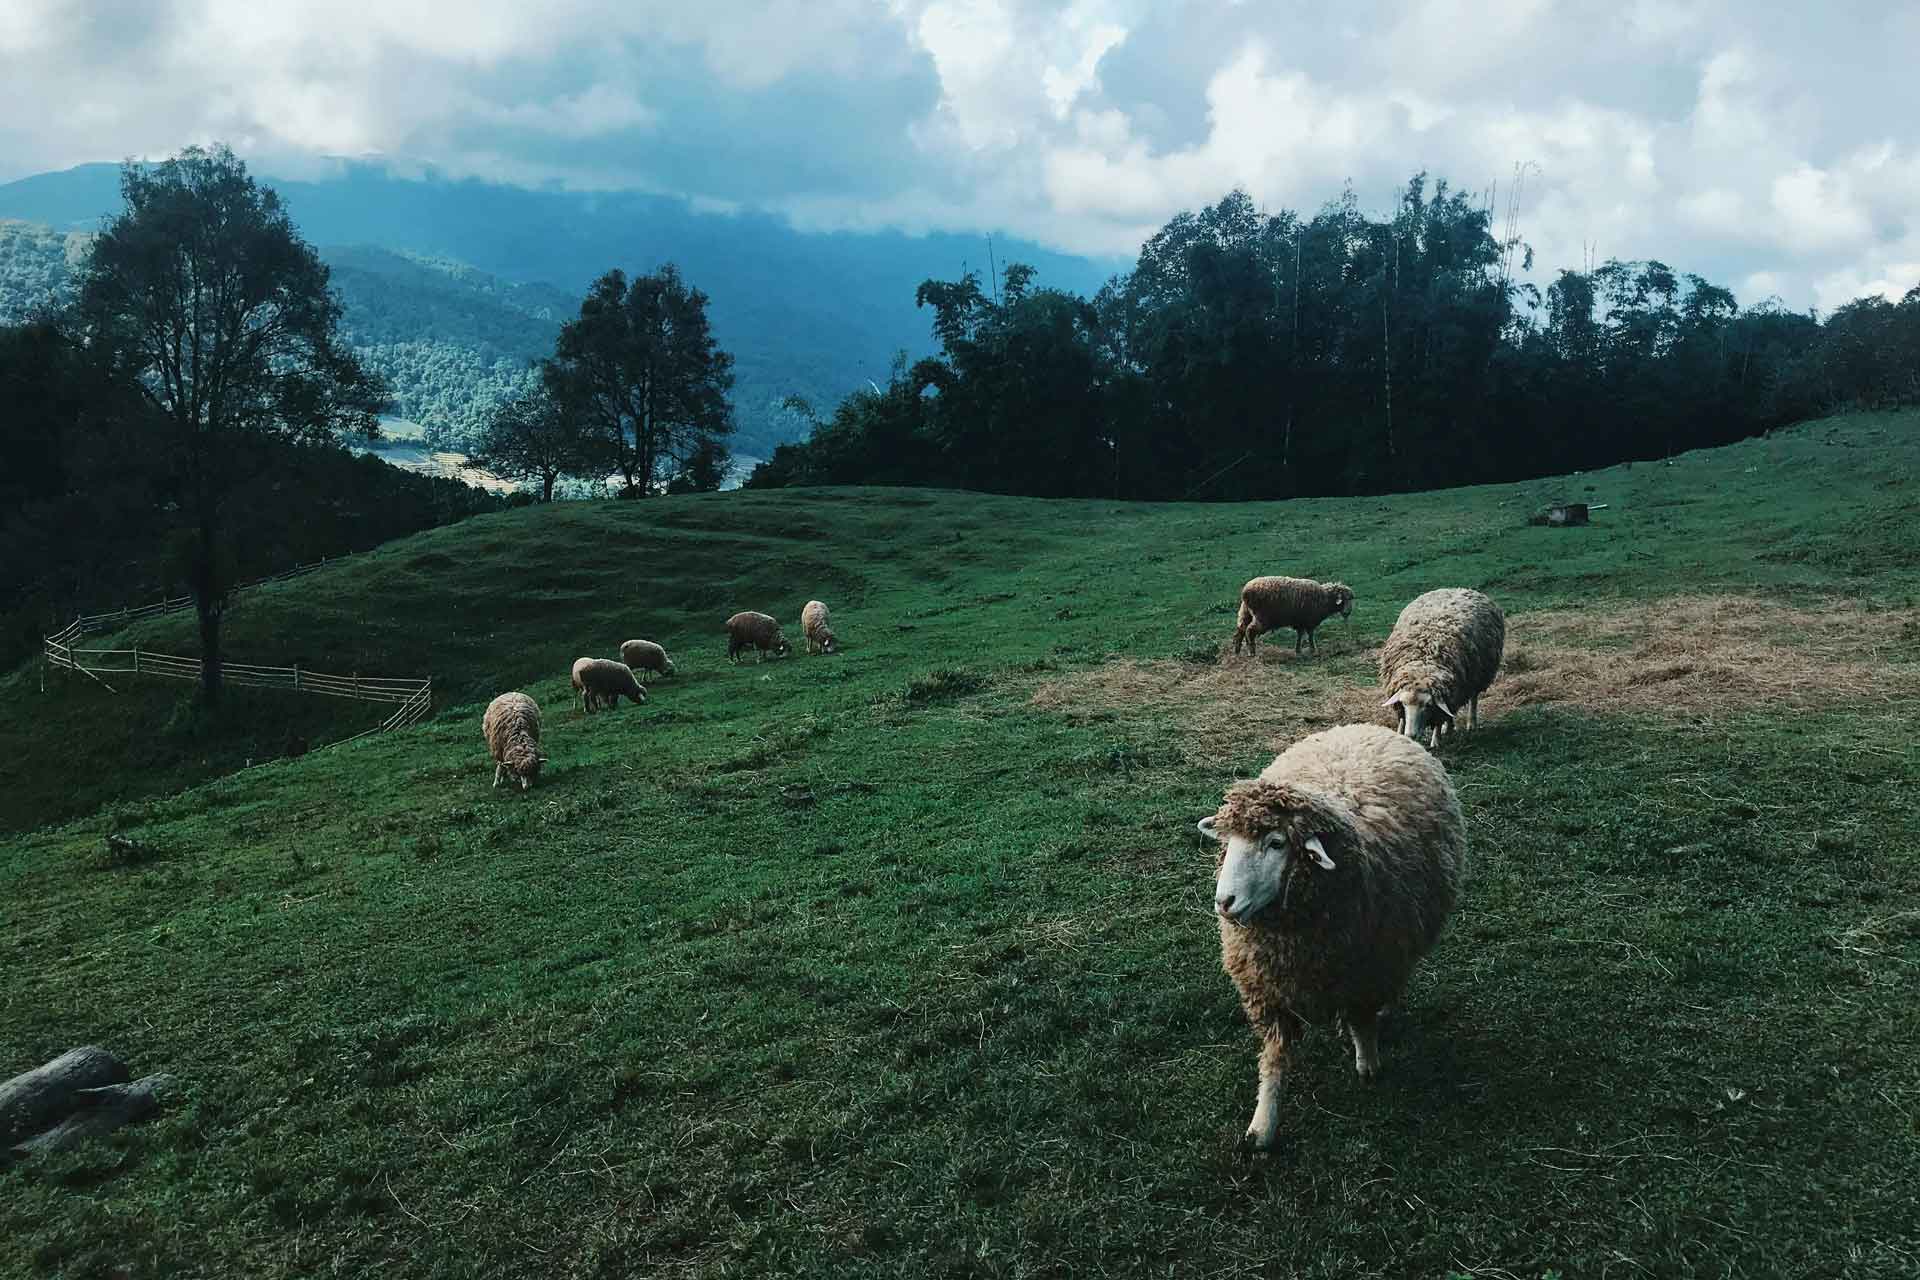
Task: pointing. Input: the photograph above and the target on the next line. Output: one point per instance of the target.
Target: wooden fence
(412, 699)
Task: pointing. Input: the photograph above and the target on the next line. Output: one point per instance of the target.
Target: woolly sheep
(602, 681)
(1269, 603)
(1336, 870)
(754, 631)
(813, 625)
(1443, 653)
(645, 655)
(512, 729)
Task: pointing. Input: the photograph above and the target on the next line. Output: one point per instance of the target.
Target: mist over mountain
(452, 286)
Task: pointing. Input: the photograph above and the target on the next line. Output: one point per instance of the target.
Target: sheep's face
(826, 641)
(1343, 599)
(1420, 711)
(1257, 869)
(524, 763)
(780, 647)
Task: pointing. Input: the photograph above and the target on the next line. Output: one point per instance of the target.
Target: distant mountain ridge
(451, 286)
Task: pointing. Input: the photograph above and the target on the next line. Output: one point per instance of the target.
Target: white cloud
(1767, 144)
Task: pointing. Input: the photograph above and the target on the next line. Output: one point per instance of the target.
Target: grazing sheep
(645, 655)
(1267, 604)
(1336, 870)
(512, 729)
(755, 631)
(813, 625)
(1444, 652)
(602, 681)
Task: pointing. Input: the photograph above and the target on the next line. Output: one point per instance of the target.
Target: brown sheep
(1269, 603)
(602, 681)
(756, 631)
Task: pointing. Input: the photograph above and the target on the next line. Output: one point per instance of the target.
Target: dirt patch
(1682, 656)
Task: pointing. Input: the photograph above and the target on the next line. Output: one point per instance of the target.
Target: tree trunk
(36, 1099)
(546, 487)
(209, 611)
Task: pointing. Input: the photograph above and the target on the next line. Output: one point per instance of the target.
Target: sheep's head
(780, 646)
(1342, 598)
(524, 763)
(1419, 708)
(826, 640)
(1276, 842)
(669, 670)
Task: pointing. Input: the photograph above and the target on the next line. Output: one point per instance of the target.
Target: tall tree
(535, 437)
(641, 363)
(204, 301)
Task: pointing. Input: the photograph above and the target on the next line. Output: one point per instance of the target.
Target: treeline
(1249, 355)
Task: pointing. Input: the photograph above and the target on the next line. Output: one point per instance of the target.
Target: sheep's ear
(1318, 851)
(1441, 703)
(1208, 829)
(1391, 701)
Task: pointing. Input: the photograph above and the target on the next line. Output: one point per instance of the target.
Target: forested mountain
(814, 315)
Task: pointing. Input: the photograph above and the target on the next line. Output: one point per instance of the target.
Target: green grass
(865, 964)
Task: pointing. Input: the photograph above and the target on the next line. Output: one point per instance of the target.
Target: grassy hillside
(901, 960)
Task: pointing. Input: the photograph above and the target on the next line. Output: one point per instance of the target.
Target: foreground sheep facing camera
(1336, 871)
(645, 655)
(512, 729)
(1444, 652)
(754, 631)
(813, 626)
(1269, 603)
(603, 682)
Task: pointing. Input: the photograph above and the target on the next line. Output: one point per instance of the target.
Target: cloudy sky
(1772, 145)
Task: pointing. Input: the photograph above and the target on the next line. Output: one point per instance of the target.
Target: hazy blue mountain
(802, 313)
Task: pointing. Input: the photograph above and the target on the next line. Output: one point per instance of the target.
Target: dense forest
(86, 526)
(1249, 355)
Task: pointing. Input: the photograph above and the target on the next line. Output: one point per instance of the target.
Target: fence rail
(412, 699)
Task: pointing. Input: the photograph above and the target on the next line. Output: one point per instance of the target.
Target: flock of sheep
(511, 724)
(1337, 867)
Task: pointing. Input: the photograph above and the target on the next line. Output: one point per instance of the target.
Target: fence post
(136, 657)
(296, 677)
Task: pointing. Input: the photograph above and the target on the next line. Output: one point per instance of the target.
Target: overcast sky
(1766, 144)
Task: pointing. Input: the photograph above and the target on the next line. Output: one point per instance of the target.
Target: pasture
(900, 961)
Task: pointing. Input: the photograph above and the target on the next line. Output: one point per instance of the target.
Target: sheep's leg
(1364, 1026)
(1299, 638)
(1275, 1040)
(497, 770)
(1473, 707)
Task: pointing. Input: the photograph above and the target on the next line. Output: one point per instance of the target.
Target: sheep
(1443, 653)
(511, 726)
(755, 631)
(645, 655)
(813, 625)
(604, 681)
(1269, 603)
(1335, 872)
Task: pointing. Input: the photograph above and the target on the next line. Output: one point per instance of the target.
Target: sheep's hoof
(1368, 1071)
(1255, 1142)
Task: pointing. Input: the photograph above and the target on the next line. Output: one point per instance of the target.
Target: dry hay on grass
(1690, 656)
(1709, 655)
